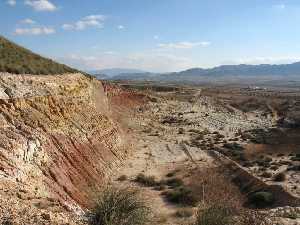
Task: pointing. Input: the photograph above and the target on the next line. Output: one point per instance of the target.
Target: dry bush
(174, 182)
(119, 207)
(223, 202)
(148, 181)
(218, 214)
(181, 195)
(212, 186)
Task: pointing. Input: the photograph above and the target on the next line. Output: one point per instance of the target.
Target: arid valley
(182, 147)
(149, 112)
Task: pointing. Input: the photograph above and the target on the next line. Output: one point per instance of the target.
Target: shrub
(215, 215)
(174, 182)
(181, 195)
(266, 174)
(160, 187)
(233, 146)
(279, 177)
(171, 174)
(7, 221)
(295, 158)
(294, 168)
(263, 163)
(122, 178)
(261, 199)
(247, 164)
(180, 131)
(119, 207)
(274, 167)
(148, 181)
(250, 217)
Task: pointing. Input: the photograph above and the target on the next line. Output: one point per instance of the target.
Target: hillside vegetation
(16, 59)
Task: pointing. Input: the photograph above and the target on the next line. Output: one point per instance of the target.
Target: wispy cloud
(264, 60)
(279, 6)
(110, 53)
(11, 2)
(34, 31)
(88, 21)
(149, 61)
(30, 27)
(27, 21)
(156, 37)
(121, 27)
(41, 5)
(183, 45)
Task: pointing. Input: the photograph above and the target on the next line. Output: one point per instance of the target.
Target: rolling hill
(246, 74)
(18, 60)
(243, 70)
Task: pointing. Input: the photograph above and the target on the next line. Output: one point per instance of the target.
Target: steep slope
(58, 139)
(16, 59)
(56, 135)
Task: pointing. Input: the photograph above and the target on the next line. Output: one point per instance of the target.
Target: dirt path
(158, 150)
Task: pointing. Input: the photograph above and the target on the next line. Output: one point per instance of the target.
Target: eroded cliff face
(57, 136)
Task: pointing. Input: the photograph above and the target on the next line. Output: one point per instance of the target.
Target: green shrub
(261, 199)
(148, 181)
(215, 215)
(182, 196)
(119, 207)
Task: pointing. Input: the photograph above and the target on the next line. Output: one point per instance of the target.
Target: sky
(155, 35)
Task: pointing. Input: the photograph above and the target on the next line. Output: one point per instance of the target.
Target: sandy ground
(158, 150)
(159, 147)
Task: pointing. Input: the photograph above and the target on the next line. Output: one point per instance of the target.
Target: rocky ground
(58, 143)
(175, 131)
(183, 134)
(19, 206)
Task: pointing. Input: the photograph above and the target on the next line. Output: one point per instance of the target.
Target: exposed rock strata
(57, 136)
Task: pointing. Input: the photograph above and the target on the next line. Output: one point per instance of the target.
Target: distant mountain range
(243, 70)
(115, 71)
(264, 73)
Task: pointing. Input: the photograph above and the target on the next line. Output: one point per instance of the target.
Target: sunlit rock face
(57, 135)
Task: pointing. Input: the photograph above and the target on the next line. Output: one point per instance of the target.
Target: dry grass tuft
(119, 207)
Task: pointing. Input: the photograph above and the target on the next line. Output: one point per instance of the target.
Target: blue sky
(155, 35)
